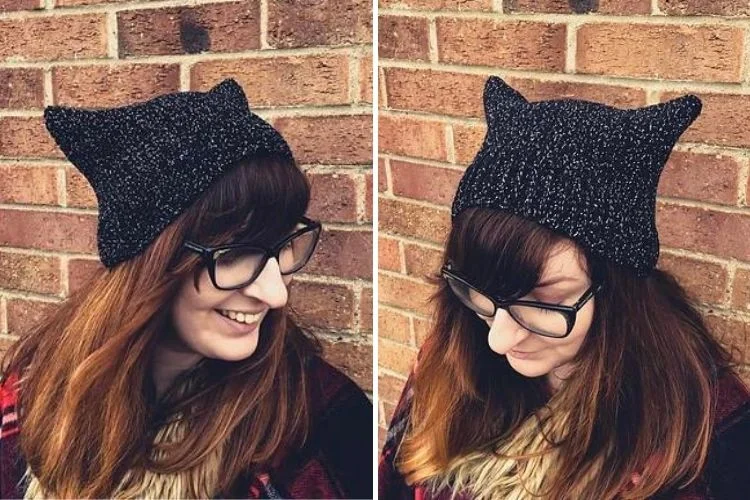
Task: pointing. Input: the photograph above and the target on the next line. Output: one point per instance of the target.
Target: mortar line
(432, 42)
(50, 9)
(264, 25)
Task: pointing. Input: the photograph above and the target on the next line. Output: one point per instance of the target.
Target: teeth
(241, 317)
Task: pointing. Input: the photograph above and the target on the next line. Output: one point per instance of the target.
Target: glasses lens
(295, 254)
(236, 266)
(542, 321)
(471, 298)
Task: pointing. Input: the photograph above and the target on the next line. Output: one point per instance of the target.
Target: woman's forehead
(564, 263)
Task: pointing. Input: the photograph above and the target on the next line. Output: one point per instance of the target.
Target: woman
(561, 364)
(176, 373)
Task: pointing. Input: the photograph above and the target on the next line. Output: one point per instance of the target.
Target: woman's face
(225, 324)
(563, 281)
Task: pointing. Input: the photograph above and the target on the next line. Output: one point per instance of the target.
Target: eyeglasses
(236, 265)
(548, 320)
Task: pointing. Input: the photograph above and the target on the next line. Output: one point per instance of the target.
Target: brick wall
(305, 66)
(434, 58)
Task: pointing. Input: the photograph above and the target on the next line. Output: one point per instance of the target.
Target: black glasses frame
(209, 254)
(570, 312)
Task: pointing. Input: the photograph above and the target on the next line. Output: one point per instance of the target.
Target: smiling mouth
(241, 317)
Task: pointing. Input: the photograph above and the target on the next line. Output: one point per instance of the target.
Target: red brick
(439, 92)
(365, 78)
(333, 197)
(424, 182)
(412, 220)
(705, 281)
(21, 88)
(506, 44)
(382, 175)
(322, 305)
(389, 256)
(538, 90)
(396, 357)
(702, 230)
(287, 81)
(11, 5)
(704, 177)
(353, 359)
(722, 121)
(48, 230)
(741, 289)
(408, 136)
(30, 273)
(422, 262)
(368, 198)
(64, 37)
(390, 388)
(421, 330)
(21, 136)
(404, 293)
(108, 86)
(457, 5)
(70, 3)
(394, 325)
(319, 22)
(79, 191)
(616, 7)
(467, 139)
(705, 7)
(345, 254)
(24, 315)
(225, 27)
(82, 271)
(365, 310)
(661, 51)
(734, 334)
(36, 185)
(403, 38)
(329, 139)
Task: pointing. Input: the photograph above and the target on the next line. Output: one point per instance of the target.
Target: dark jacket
(336, 461)
(726, 476)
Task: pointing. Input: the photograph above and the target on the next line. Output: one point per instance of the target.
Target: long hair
(640, 399)
(86, 416)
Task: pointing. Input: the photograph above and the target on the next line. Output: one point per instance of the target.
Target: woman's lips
(521, 354)
(237, 327)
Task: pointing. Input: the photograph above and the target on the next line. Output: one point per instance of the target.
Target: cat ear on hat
(499, 100)
(675, 115)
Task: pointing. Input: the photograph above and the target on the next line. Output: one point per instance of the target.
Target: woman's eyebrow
(554, 281)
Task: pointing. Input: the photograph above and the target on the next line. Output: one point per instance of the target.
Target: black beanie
(148, 162)
(580, 168)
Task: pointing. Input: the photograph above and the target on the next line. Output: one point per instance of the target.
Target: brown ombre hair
(640, 398)
(86, 407)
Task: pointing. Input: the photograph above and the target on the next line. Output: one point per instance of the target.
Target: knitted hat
(580, 168)
(148, 162)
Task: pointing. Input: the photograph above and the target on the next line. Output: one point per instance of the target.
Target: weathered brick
(613, 95)
(424, 182)
(64, 37)
(345, 254)
(30, 273)
(389, 388)
(322, 305)
(457, 5)
(422, 262)
(741, 289)
(333, 197)
(705, 7)
(225, 27)
(382, 175)
(404, 135)
(81, 271)
(616, 7)
(365, 310)
(26, 137)
(412, 220)
(704, 177)
(705, 281)
(389, 256)
(36, 185)
(404, 293)
(722, 120)
(394, 325)
(78, 190)
(21, 88)
(329, 139)
(467, 139)
(353, 359)
(421, 330)
(48, 230)
(507, 44)
(734, 334)
(396, 357)
(368, 197)
(108, 86)
(286, 81)
(365, 78)
(673, 52)
(403, 38)
(319, 22)
(718, 233)
(12, 5)
(24, 315)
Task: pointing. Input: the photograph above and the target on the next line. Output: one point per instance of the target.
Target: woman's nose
(505, 333)
(269, 286)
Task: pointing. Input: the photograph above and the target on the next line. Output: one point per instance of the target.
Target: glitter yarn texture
(148, 162)
(580, 168)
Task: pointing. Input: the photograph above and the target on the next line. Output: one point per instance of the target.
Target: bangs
(259, 200)
(501, 253)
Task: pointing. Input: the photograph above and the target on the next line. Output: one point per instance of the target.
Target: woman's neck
(557, 377)
(171, 358)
